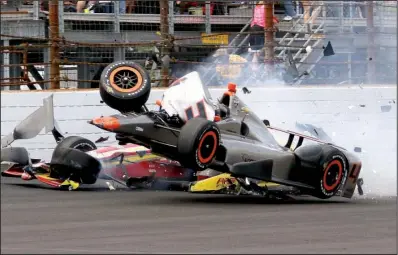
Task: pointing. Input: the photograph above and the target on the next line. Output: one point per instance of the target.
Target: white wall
(351, 116)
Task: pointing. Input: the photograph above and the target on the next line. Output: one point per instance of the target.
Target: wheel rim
(332, 175)
(207, 147)
(125, 79)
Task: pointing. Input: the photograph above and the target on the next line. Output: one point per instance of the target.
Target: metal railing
(86, 42)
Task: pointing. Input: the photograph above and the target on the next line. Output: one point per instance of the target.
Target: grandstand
(363, 36)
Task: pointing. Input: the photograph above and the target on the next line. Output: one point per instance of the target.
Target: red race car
(77, 160)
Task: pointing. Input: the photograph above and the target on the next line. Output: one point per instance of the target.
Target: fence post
(54, 47)
(119, 53)
(36, 10)
(171, 17)
(116, 13)
(269, 34)
(61, 18)
(207, 17)
(164, 31)
(6, 62)
(371, 42)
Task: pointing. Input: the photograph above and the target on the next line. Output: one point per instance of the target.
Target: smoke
(355, 61)
(246, 70)
(361, 120)
(376, 151)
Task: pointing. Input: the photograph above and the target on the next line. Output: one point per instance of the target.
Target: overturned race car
(225, 135)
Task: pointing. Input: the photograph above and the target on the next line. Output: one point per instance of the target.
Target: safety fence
(66, 44)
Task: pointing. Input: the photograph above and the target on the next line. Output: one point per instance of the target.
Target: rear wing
(32, 125)
(292, 134)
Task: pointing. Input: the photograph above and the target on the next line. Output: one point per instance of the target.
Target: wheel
(125, 86)
(198, 143)
(333, 171)
(76, 142)
(69, 158)
(325, 168)
(75, 165)
(333, 174)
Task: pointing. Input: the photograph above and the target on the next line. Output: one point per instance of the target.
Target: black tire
(63, 164)
(197, 144)
(323, 167)
(333, 171)
(125, 86)
(76, 142)
(76, 165)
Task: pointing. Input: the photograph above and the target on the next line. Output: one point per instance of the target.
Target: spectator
(257, 25)
(130, 6)
(101, 6)
(307, 7)
(122, 6)
(183, 6)
(126, 6)
(81, 5)
(106, 6)
(69, 5)
(290, 13)
(44, 5)
(96, 6)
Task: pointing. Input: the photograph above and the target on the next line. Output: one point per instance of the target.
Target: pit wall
(361, 119)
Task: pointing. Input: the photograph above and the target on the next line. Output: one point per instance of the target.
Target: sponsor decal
(225, 182)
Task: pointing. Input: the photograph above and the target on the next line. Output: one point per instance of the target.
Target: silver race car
(224, 135)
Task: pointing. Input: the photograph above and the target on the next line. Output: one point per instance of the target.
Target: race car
(130, 165)
(199, 133)
(77, 160)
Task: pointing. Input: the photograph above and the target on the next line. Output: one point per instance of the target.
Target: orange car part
(109, 123)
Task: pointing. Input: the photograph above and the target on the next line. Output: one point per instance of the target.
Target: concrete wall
(364, 117)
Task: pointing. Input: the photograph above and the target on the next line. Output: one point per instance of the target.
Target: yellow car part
(71, 184)
(219, 182)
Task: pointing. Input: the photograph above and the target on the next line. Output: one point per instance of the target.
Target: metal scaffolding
(69, 49)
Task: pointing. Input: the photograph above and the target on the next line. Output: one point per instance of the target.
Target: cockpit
(189, 98)
(224, 106)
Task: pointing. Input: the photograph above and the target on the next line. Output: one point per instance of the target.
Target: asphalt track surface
(36, 219)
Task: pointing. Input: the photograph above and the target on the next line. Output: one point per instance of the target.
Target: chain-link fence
(66, 44)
